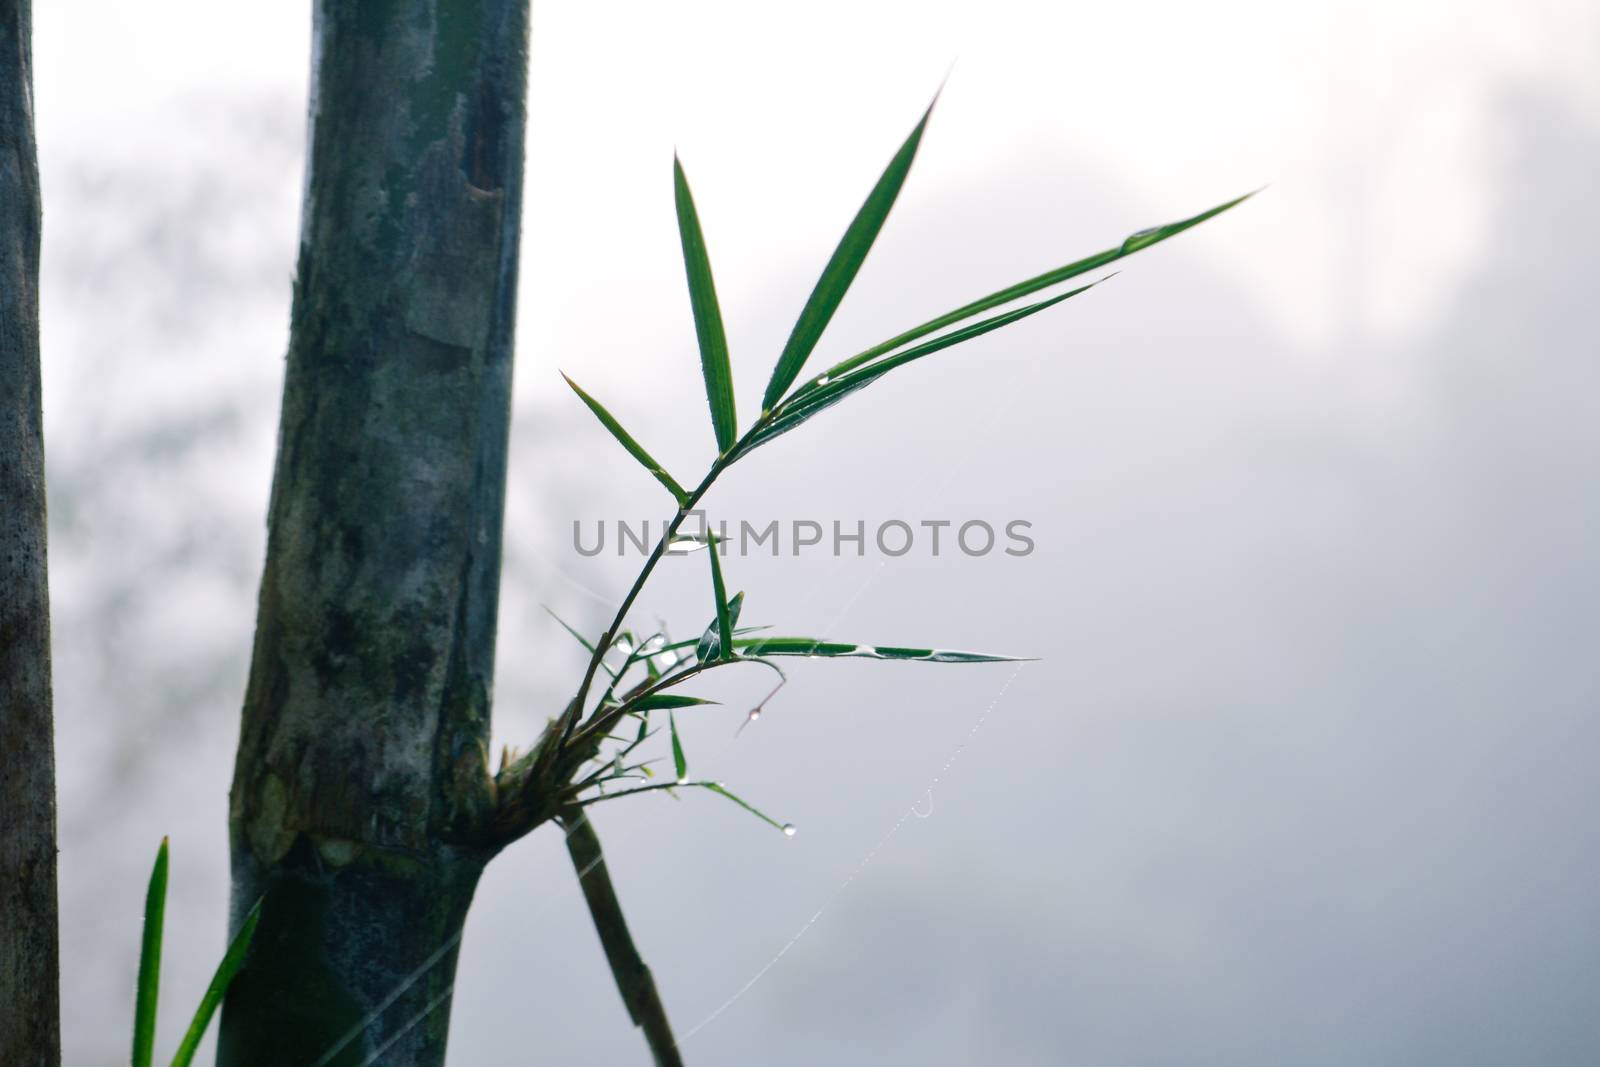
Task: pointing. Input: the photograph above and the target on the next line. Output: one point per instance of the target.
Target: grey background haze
(1305, 772)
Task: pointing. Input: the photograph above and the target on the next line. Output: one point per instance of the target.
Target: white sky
(1188, 103)
(784, 119)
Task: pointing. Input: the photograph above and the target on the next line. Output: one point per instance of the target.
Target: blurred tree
(362, 796)
(29, 982)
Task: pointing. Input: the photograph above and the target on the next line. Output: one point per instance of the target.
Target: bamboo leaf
(811, 646)
(739, 631)
(232, 960)
(633, 447)
(1133, 243)
(667, 700)
(679, 762)
(724, 614)
(149, 985)
(710, 646)
(842, 267)
(707, 315)
(822, 393)
(717, 788)
(588, 646)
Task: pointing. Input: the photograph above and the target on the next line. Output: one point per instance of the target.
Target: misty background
(1305, 772)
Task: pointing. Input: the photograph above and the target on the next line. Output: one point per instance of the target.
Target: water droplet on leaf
(1139, 239)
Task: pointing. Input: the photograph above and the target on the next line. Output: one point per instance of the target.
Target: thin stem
(644, 789)
(575, 712)
(634, 981)
(722, 463)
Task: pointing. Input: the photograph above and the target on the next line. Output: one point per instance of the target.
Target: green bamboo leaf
(717, 788)
(707, 314)
(842, 267)
(667, 700)
(588, 646)
(627, 442)
(144, 1007)
(1133, 243)
(822, 393)
(710, 646)
(232, 960)
(679, 762)
(724, 616)
(739, 631)
(811, 646)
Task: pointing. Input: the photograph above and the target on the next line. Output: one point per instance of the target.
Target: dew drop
(824, 380)
(789, 829)
(1135, 241)
(683, 779)
(755, 713)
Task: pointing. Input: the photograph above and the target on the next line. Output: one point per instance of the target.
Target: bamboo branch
(634, 981)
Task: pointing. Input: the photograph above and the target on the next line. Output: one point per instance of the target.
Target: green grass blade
(144, 1006)
(724, 616)
(822, 393)
(634, 448)
(811, 646)
(1133, 243)
(667, 700)
(707, 314)
(842, 267)
(679, 762)
(232, 960)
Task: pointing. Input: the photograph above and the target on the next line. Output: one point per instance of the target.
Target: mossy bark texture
(29, 968)
(362, 795)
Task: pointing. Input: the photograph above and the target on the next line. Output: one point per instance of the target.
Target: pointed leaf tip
(148, 986)
(680, 763)
(626, 440)
(842, 267)
(655, 701)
